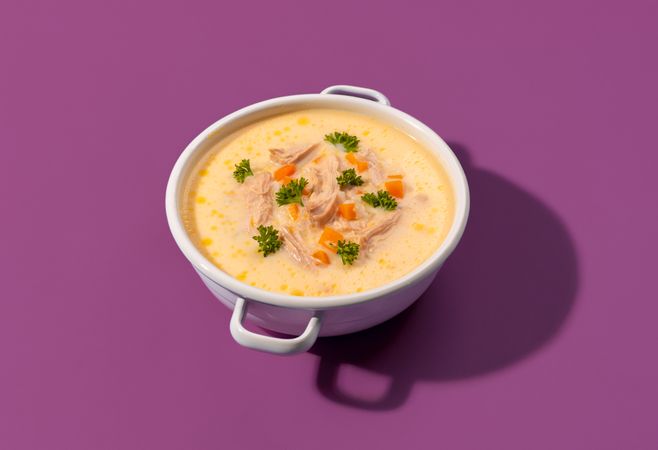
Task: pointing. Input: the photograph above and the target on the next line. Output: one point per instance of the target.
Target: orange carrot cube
(395, 188)
(293, 210)
(284, 171)
(347, 211)
(361, 166)
(329, 239)
(321, 256)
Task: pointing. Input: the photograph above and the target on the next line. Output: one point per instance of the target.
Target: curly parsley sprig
(348, 251)
(380, 200)
(242, 171)
(347, 141)
(268, 240)
(291, 192)
(349, 178)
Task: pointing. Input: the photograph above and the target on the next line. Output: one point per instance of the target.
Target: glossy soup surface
(220, 218)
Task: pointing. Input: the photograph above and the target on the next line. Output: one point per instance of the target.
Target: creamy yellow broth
(217, 217)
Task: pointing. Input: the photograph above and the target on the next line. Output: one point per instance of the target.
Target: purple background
(540, 333)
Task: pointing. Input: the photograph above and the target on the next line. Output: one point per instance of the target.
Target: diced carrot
(285, 180)
(395, 188)
(396, 176)
(329, 239)
(347, 211)
(284, 171)
(361, 166)
(321, 256)
(293, 210)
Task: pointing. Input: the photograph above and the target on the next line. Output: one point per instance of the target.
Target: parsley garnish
(348, 141)
(291, 192)
(380, 200)
(349, 178)
(348, 251)
(242, 171)
(268, 240)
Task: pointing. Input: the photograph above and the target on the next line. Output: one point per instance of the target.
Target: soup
(318, 202)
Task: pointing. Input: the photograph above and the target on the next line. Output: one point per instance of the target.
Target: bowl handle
(270, 344)
(355, 91)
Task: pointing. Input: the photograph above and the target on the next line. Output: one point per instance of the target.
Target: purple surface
(539, 334)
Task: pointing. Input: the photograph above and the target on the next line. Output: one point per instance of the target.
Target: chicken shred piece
(349, 226)
(374, 167)
(295, 247)
(378, 228)
(258, 198)
(311, 176)
(290, 155)
(323, 201)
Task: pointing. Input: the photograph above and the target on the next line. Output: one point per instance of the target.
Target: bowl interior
(259, 111)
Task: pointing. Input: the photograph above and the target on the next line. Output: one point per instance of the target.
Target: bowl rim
(207, 268)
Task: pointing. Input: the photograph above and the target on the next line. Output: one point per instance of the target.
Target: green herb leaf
(380, 200)
(370, 199)
(242, 171)
(349, 142)
(291, 192)
(348, 251)
(349, 178)
(268, 240)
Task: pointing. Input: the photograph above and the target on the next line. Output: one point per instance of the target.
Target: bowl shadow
(505, 292)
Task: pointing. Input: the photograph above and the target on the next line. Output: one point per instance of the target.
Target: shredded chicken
(322, 196)
(311, 176)
(377, 228)
(375, 170)
(295, 247)
(322, 203)
(349, 226)
(258, 198)
(290, 155)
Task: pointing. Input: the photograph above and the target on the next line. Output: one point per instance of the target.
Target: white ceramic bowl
(310, 317)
